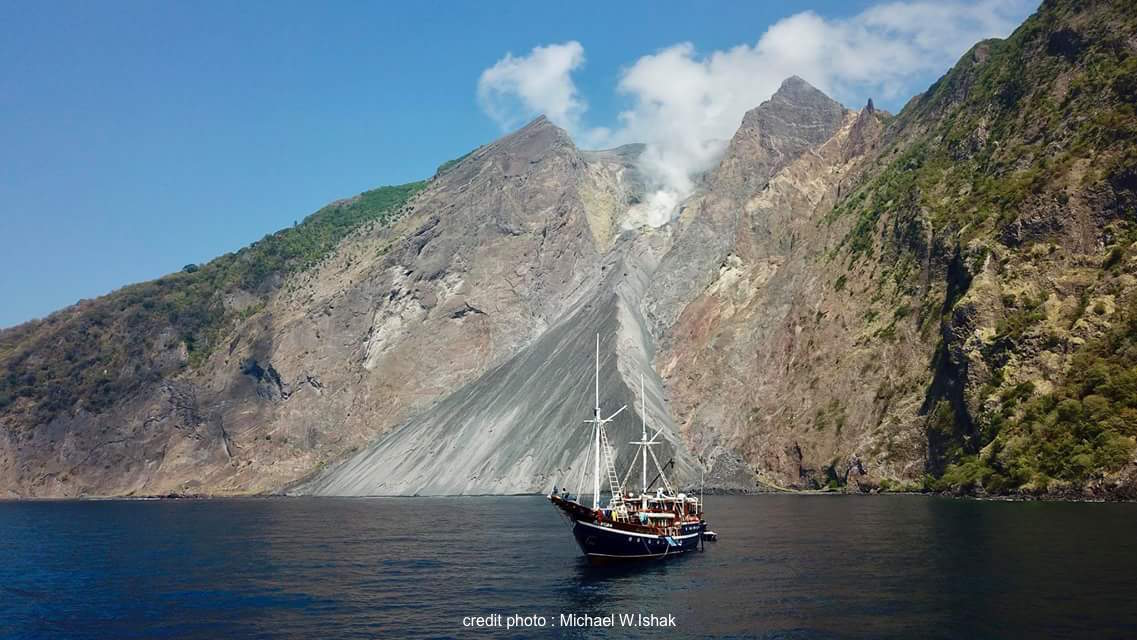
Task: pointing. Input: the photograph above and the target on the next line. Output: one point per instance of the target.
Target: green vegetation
(303, 246)
(992, 157)
(832, 415)
(1086, 426)
(1020, 319)
(98, 352)
(898, 486)
(1007, 133)
(450, 164)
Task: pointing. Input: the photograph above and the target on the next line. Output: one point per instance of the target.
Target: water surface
(784, 567)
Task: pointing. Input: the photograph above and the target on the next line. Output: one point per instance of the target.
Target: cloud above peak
(516, 88)
(684, 104)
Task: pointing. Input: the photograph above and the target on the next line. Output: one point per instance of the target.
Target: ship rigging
(643, 525)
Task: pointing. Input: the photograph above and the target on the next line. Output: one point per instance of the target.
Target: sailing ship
(657, 522)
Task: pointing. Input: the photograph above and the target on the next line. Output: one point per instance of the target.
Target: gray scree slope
(518, 428)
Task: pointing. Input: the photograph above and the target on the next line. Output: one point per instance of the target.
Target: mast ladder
(619, 509)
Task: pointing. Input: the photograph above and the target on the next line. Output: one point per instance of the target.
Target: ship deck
(581, 513)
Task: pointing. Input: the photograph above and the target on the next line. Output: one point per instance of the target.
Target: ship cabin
(661, 508)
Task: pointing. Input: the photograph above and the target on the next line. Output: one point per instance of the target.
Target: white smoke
(684, 104)
(658, 207)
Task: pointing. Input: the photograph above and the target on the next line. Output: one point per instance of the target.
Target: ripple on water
(785, 566)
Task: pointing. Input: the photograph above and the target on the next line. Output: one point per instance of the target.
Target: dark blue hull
(601, 542)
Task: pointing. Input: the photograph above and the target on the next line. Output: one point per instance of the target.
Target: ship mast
(597, 424)
(644, 443)
(643, 433)
(600, 441)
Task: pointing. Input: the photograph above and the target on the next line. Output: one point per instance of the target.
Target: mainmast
(600, 442)
(597, 424)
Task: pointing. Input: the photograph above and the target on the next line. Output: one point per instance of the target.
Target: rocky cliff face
(941, 299)
(759, 359)
(518, 428)
(997, 211)
(528, 404)
(494, 254)
(797, 118)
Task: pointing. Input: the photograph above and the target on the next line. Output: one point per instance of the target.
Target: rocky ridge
(941, 299)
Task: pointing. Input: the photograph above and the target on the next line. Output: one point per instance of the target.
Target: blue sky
(142, 136)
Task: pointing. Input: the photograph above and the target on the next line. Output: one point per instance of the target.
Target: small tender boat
(657, 522)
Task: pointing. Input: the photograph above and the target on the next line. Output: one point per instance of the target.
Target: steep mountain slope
(92, 398)
(1001, 218)
(758, 357)
(319, 357)
(530, 402)
(944, 299)
(518, 428)
(795, 119)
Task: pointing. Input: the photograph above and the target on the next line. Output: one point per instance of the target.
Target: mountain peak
(795, 90)
(798, 116)
(797, 109)
(538, 139)
(540, 121)
(794, 82)
(537, 136)
(864, 134)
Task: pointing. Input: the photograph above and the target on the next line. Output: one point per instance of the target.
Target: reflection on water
(785, 566)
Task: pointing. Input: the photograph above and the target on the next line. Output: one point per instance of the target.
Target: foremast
(603, 454)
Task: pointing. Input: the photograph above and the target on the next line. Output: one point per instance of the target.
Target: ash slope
(518, 428)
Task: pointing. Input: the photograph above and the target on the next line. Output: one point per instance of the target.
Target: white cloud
(685, 105)
(541, 82)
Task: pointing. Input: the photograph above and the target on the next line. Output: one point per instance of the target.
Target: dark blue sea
(784, 567)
